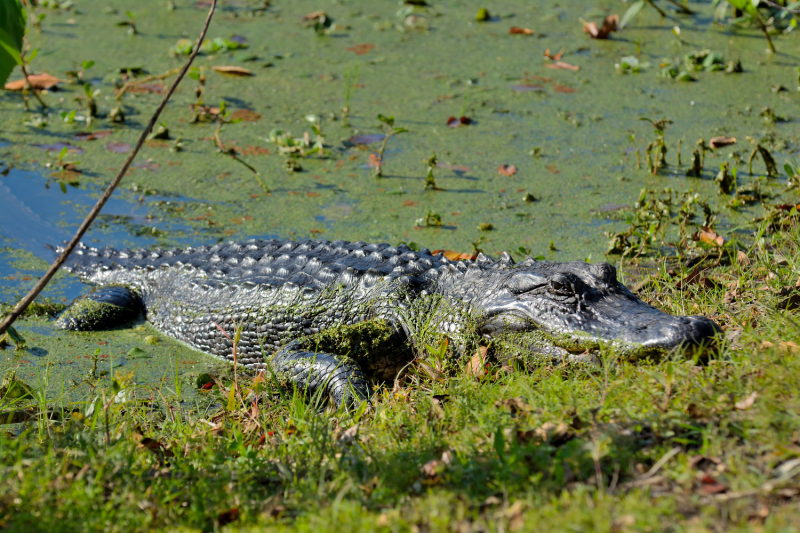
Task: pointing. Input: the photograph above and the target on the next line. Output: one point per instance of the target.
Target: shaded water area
(566, 131)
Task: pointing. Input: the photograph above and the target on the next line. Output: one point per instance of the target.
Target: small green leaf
(631, 12)
(87, 64)
(138, 353)
(500, 444)
(12, 29)
(399, 130)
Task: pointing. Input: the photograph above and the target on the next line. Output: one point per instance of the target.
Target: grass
(670, 445)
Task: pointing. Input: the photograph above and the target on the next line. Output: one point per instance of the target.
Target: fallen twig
(232, 152)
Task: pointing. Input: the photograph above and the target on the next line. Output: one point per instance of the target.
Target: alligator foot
(103, 308)
(322, 373)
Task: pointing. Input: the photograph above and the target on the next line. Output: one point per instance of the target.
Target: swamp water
(566, 131)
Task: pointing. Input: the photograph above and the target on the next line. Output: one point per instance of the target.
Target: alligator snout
(666, 333)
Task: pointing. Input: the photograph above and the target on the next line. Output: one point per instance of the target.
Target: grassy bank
(673, 445)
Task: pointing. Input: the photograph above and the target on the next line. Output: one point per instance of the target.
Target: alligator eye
(559, 288)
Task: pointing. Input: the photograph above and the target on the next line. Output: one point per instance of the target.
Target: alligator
(285, 303)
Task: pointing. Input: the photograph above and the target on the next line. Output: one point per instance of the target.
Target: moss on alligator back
(373, 344)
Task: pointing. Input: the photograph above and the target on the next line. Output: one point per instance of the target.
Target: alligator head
(580, 307)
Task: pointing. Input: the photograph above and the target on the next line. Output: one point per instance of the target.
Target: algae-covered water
(566, 131)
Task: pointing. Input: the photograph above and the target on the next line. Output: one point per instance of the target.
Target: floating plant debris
(91, 135)
(118, 147)
(57, 147)
(37, 81)
(507, 170)
(368, 138)
(527, 88)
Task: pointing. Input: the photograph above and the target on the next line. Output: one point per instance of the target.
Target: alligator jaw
(629, 327)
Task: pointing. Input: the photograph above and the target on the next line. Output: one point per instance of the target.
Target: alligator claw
(322, 374)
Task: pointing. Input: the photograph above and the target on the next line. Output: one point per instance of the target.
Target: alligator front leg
(103, 308)
(323, 373)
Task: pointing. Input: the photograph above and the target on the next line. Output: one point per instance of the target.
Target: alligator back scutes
(313, 263)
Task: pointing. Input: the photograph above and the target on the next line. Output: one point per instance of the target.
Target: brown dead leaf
(563, 89)
(697, 277)
(719, 142)
(491, 501)
(254, 150)
(555, 434)
(245, 115)
(516, 30)
(780, 260)
(477, 363)
(204, 113)
(373, 161)
(38, 81)
(91, 135)
(554, 57)
(560, 65)
(709, 485)
(450, 254)
(430, 468)
(553, 169)
(622, 523)
(455, 122)
(515, 405)
(507, 170)
(232, 70)
(154, 143)
(708, 236)
(783, 346)
(610, 24)
(361, 49)
(743, 260)
(746, 403)
(731, 296)
(314, 15)
(514, 515)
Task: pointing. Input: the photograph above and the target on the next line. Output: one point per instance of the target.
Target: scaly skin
(279, 292)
